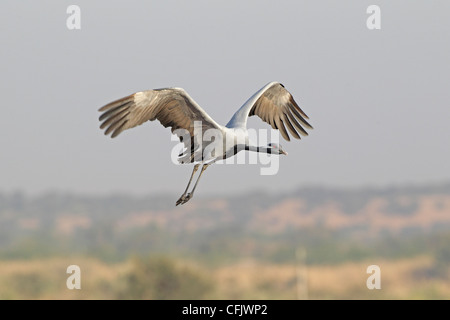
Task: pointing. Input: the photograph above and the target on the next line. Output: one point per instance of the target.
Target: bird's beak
(284, 152)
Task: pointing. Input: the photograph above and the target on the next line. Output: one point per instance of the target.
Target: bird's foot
(180, 201)
(184, 198)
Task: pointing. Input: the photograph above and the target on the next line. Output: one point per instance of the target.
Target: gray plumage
(174, 108)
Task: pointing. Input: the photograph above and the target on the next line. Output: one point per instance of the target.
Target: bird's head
(277, 148)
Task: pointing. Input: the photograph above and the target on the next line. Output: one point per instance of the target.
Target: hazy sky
(378, 99)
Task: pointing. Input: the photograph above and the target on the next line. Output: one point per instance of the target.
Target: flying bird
(174, 108)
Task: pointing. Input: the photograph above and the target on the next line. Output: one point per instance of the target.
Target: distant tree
(161, 278)
(26, 285)
(441, 265)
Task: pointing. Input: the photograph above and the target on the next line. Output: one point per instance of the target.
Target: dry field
(400, 279)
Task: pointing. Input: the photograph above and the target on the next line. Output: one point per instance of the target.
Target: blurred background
(370, 185)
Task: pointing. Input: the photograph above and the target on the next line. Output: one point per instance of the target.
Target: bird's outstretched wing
(276, 106)
(173, 107)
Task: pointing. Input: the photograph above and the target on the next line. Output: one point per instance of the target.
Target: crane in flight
(174, 108)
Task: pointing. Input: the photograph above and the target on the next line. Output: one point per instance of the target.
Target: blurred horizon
(431, 185)
(310, 243)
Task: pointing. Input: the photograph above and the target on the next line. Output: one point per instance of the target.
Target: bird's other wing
(275, 106)
(173, 107)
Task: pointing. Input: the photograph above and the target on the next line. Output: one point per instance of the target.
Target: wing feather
(275, 106)
(173, 107)
(281, 128)
(290, 127)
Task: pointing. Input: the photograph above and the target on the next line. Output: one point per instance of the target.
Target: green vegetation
(160, 278)
(144, 248)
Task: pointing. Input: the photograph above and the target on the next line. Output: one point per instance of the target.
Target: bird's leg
(191, 194)
(183, 196)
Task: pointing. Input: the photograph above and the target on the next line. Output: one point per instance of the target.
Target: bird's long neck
(258, 149)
